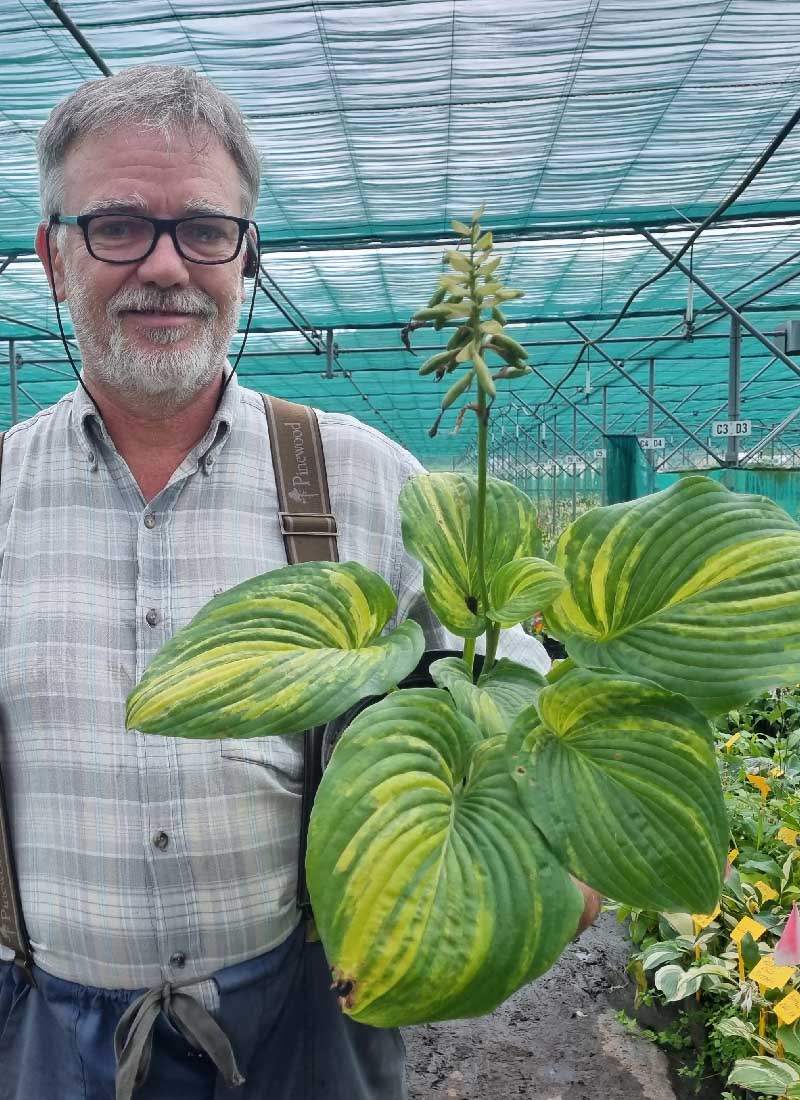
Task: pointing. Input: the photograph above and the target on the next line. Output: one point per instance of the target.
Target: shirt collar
(91, 431)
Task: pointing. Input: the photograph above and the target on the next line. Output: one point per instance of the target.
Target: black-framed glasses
(130, 238)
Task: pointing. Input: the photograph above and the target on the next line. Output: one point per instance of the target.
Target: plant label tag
(788, 1010)
(732, 740)
(745, 925)
(702, 920)
(760, 784)
(728, 428)
(766, 891)
(733, 855)
(787, 835)
(770, 976)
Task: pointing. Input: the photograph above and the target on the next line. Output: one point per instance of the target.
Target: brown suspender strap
(309, 534)
(13, 934)
(307, 526)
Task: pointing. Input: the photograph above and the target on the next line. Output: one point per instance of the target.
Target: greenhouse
(638, 168)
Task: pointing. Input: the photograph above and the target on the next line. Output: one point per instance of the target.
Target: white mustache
(185, 301)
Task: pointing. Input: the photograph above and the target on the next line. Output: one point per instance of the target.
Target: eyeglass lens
(127, 237)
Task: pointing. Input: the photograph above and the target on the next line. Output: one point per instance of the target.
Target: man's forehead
(124, 170)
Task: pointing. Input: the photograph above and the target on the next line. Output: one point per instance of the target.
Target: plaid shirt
(147, 859)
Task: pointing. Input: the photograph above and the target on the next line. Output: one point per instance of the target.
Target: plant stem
(483, 463)
(483, 452)
(469, 652)
(492, 638)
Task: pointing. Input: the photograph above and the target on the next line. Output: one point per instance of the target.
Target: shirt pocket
(274, 762)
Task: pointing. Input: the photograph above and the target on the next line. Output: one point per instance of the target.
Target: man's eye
(203, 233)
(115, 229)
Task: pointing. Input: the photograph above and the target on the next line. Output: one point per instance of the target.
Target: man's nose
(164, 266)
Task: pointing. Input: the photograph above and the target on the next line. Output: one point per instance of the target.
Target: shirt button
(90, 456)
(178, 960)
(209, 461)
(150, 520)
(161, 840)
(152, 617)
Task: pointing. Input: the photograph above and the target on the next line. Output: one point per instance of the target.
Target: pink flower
(787, 951)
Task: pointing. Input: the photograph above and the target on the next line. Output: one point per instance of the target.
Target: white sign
(653, 443)
(729, 428)
(600, 452)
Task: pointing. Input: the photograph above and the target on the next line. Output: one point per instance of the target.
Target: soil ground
(556, 1039)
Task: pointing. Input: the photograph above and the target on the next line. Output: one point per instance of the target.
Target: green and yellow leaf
(620, 776)
(522, 587)
(280, 653)
(434, 895)
(439, 520)
(696, 587)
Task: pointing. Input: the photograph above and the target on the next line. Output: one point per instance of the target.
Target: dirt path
(557, 1039)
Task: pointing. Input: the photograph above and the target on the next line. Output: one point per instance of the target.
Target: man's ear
(55, 274)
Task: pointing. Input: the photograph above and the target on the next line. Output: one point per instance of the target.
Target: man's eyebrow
(135, 204)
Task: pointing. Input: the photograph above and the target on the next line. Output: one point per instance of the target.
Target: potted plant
(451, 818)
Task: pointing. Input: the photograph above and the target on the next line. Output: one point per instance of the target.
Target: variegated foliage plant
(451, 819)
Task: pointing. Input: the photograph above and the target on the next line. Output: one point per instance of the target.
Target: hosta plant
(452, 819)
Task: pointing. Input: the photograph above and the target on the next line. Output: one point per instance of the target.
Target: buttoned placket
(175, 919)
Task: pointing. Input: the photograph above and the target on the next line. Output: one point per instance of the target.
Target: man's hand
(592, 904)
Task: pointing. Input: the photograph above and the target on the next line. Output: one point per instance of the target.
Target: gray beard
(159, 379)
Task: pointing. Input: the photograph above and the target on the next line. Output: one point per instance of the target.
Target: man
(151, 863)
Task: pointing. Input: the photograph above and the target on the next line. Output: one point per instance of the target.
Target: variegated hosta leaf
(697, 588)
(523, 587)
(284, 651)
(497, 698)
(621, 778)
(434, 895)
(439, 518)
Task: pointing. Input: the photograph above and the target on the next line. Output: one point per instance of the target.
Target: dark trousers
(289, 1036)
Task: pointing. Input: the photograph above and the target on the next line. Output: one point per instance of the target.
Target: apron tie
(133, 1038)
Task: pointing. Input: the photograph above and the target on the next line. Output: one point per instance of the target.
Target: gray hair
(158, 97)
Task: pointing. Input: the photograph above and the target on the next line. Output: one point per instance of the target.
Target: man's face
(159, 328)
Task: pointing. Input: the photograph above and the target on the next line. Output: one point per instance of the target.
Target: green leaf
(499, 695)
(790, 1037)
(523, 587)
(765, 1075)
(433, 894)
(750, 952)
(284, 651)
(696, 587)
(461, 229)
(659, 953)
(734, 1027)
(620, 776)
(439, 522)
(453, 674)
(668, 980)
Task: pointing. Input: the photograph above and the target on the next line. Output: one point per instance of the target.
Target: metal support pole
(555, 475)
(734, 383)
(651, 419)
(651, 387)
(574, 465)
(329, 353)
(12, 380)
